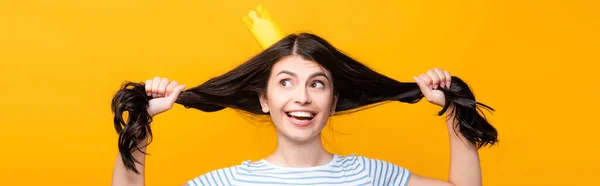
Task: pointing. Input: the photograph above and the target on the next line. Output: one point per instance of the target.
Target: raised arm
(465, 169)
(163, 93)
(124, 177)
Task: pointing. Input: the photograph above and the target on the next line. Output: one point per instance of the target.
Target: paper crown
(262, 27)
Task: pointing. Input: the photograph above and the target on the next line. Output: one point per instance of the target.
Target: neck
(291, 153)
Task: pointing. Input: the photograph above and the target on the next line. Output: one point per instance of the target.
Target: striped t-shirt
(341, 170)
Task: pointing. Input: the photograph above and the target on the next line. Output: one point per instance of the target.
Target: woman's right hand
(164, 93)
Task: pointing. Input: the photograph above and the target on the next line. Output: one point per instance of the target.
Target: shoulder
(223, 176)
(383, 172)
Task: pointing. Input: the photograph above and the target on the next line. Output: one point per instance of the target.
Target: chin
(300, 138)
(300, 134)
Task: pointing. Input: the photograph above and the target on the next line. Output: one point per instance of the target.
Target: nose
(302, 97)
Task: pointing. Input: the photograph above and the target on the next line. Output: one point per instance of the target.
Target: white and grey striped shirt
(341, 170)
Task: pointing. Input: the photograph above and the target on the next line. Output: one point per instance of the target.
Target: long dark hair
(356, 85)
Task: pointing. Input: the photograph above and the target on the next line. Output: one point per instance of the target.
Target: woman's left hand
(431, 83)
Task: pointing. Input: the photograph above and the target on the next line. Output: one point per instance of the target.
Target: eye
(285, 82)
(317, 84)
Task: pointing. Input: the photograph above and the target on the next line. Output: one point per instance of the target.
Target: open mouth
(301, 118)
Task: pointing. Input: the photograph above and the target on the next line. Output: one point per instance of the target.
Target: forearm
(122, 176)
(465, 169)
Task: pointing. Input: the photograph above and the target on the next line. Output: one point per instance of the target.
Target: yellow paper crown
(262, 27)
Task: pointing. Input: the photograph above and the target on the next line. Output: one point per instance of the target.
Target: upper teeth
(301, 114)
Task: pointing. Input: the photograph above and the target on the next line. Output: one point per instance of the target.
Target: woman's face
(299, 98)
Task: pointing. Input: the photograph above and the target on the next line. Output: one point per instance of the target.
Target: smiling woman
(299, 98)
(300, 82)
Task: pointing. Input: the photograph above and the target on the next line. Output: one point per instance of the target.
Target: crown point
(252, 14)
(262, 27)
(248, 22)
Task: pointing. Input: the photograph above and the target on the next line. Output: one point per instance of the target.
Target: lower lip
(300, 123)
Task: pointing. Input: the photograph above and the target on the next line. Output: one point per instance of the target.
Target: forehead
(298, 65)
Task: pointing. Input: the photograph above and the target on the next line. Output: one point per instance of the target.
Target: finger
(442, 77)
(448, 78)
(148, 87)
(435, 80)
(426, 80)
(162, 87)
(171, 87)
(173, 97)
(155, 84)
(425, 89)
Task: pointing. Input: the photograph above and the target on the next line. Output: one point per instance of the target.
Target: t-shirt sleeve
(222, 176)
(385, 173)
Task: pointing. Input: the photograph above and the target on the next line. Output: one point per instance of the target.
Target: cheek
(324, 102)
(277, 99)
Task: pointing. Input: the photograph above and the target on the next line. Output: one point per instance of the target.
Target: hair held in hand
(356, 85)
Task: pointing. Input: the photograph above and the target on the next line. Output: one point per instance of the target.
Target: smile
(301, 119)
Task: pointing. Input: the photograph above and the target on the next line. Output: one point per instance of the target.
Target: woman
(300, 82)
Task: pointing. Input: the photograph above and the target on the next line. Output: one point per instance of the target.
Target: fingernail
(443, 85)
(416, 80)
(448, 85)
(435, 86)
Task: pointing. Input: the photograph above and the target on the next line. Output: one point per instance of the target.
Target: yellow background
(62, 60)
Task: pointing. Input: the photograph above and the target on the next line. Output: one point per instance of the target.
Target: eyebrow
(311, 76)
